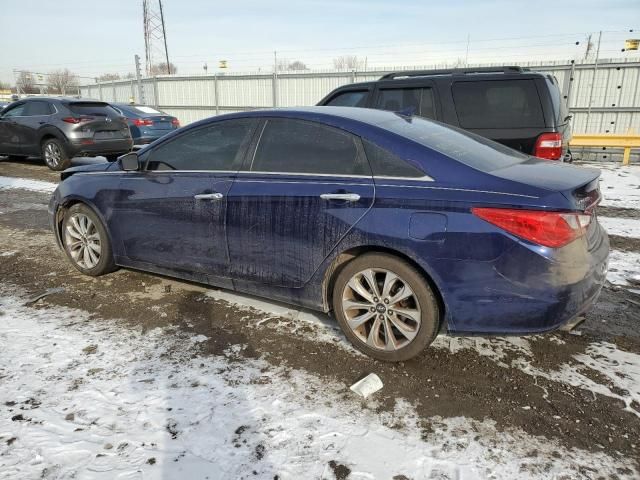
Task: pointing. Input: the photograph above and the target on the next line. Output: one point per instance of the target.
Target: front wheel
(385, 307)
(55, 155)
(86, 241)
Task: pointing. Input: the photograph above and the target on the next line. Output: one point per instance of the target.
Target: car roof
(367, 116)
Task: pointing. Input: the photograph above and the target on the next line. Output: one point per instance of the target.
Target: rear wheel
(55, 155)
(385, 307)
(86, 241)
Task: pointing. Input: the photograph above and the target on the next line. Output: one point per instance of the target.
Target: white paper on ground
(368, 385)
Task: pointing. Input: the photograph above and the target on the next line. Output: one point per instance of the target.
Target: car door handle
(349, 197)
(208, 196)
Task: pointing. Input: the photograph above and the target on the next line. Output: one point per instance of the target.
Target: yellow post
(626, 156)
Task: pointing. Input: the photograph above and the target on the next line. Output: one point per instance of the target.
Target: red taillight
(550, 229)
(175, 122)
(142, 122)
(548, 146)
(76, 120)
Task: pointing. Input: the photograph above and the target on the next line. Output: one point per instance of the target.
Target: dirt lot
(545, 386)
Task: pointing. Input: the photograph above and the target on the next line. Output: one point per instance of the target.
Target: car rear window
(145, 109)
(498, 104)
(466, 147)
(92, 108)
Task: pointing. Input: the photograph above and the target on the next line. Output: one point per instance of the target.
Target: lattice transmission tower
(155, 36)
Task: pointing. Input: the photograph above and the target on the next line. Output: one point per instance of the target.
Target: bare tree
(62, 81)
(161, 69)
(347, 62)
(129, 76)
(297, 65)
(107, 77)
(25, 83)
(284, 65)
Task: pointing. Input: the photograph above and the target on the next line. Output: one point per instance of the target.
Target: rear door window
(352, 98)
(298, 146)
(498, 104)
(93, 108)
(37, 108)
(397, 99)
(215, 147)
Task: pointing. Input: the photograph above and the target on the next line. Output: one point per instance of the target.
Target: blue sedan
(401, 226)
(146, 124)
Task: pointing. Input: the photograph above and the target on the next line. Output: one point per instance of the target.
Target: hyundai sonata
(400, 226)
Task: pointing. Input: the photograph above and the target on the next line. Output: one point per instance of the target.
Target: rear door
(36, 116)
(172, 213)
(300, 191)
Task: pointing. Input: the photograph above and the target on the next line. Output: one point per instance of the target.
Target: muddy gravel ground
(453, 379)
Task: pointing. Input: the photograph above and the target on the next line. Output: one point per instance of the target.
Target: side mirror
(129, 162)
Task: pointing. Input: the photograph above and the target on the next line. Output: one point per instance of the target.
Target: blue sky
(93, 37)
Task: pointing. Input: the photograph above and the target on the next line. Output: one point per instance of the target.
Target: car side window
(498, 104)
(397, 99)
(214, 147)
(352, 98)
(387, 164)
(16, 111)
(37, 107)
(298, 146)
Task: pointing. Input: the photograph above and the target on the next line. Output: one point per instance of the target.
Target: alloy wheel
(83, 241)
(52, 154)
(381, 309)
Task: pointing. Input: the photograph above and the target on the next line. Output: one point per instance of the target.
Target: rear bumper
(526, 290)
(147, 139)
(100, 147)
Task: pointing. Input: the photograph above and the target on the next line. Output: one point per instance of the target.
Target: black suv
(58, 129)
(511, 105)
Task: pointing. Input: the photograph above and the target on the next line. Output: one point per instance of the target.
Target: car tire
(55, 155)
(82, 231)
(111, 158)
(417, 314)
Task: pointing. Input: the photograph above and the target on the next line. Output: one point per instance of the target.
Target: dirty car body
(445, 201)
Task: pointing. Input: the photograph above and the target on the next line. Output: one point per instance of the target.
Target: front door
(302, 190)
(172, 213)
(11, 131)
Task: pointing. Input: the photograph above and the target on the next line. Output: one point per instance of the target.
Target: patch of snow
(90, 399)
(624, 227)
(620, 186)
(26, 184)
(622, 266)
(8, 254)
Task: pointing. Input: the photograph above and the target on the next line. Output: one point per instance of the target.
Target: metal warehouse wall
(607, 102)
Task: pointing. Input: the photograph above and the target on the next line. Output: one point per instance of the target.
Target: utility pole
(139, 80)
(275, 79)
(164, 34)
(466, 57)
(155, 37)
(593, 82)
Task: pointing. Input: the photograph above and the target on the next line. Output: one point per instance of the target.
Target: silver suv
(58, 129)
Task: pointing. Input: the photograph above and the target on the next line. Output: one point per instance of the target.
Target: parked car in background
(58, 129)
(402, 226)
(147, 124)
(516, 107)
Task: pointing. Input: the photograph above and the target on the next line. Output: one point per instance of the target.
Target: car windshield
(466, 147)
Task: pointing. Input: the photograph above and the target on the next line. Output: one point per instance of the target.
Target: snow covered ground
(620, 186)
(7, 183)
(93, 400)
